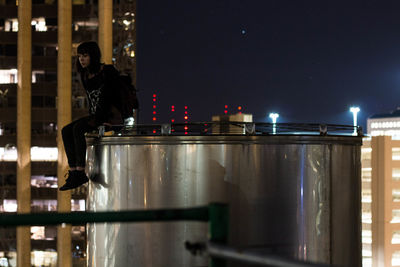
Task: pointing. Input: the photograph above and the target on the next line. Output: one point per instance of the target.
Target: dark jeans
(73, 136)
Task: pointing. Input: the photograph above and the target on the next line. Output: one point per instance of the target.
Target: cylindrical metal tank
(295, 196)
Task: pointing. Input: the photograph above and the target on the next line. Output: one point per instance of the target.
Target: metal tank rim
(223, 139)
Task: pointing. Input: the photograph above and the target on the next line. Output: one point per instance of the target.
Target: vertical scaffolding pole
(219, 228)
(105, 30)
(24, 128)
(64, 77)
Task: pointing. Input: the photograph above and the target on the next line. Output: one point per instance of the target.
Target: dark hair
(92, 49)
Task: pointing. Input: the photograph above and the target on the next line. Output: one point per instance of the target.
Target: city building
(230, 123)
(381, 191)
(384, 124)
(44, 101)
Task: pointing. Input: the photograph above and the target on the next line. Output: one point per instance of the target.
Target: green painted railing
(216, 214)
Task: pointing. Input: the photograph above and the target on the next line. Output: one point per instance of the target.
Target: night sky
(307, 60)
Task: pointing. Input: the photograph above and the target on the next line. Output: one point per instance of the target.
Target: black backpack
(126, 96)
(124, 92)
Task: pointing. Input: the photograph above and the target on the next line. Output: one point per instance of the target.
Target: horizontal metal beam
(228, 253)
(78, 218)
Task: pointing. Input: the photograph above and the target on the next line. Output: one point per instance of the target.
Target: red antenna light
(154, 107)
(226, 109)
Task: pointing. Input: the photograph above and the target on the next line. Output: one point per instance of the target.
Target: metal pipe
(225, 252)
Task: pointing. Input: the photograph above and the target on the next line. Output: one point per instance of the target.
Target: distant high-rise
(44, 111)
(381, 191)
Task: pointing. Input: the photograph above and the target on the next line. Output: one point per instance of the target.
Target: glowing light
(186, 117)
(185, 127)
(355, 111)
(154, 118)
(239, 108)
(154, 100)
(154, 112)
(154, 95)
(172, 120)
(185, 107)
(274, 117)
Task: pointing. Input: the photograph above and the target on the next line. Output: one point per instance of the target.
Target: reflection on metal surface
(289, 195)
(237, 128)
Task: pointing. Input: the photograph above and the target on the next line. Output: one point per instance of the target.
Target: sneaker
(74, 180)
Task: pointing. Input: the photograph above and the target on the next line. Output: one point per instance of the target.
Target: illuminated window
(366, 216)
(39, 24)
(37, 153)
(44, 258)
(11, 25)
(10, 76)
(396, 237)
(366, 196)
(366, 174)
(44, 205)
(396, 258)
(8, 153)
(9, 205)
(37, 233)
(366, 236)
(396, 195)
(396, 153)
(396, 174)
(44, 153)
(367, 262)
(395, 216)
(366, 250)
(366, 153)
(78, 205)
(44, 181)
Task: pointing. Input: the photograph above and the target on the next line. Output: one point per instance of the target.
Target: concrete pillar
(24, 128)
(105, 30)
(64, 77)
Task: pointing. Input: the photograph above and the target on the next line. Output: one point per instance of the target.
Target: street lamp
(355, 110)
(273, 117)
